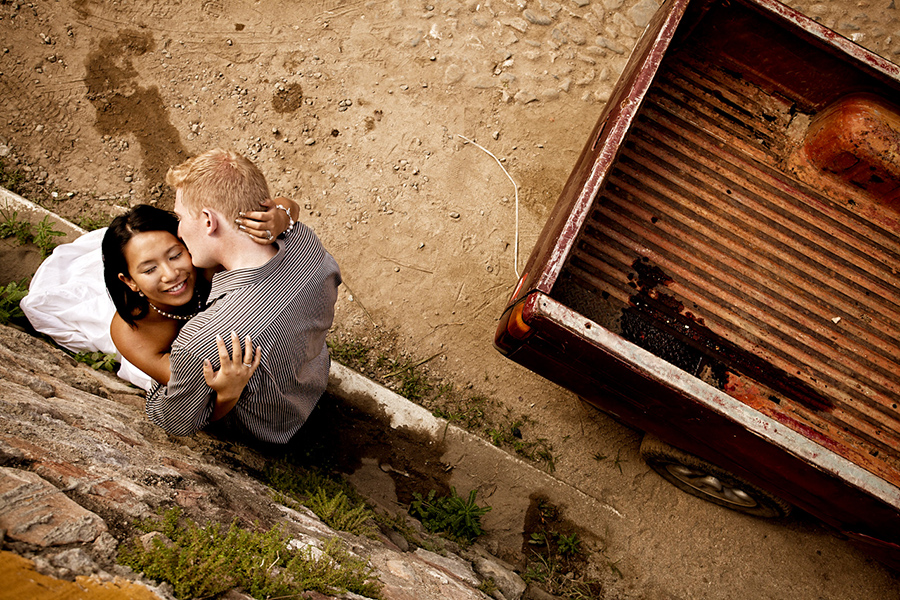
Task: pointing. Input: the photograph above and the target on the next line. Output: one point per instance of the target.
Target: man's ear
(210, 221)
(129, 282)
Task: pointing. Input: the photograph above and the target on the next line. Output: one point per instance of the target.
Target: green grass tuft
(351, 353)
(332, 500)
(10, 296)
(206, 560)
(453, 515)
(41, 236)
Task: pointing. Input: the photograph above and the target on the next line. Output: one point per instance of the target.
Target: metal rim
(712, 486)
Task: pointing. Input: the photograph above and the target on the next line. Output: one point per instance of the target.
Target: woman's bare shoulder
(146, 335)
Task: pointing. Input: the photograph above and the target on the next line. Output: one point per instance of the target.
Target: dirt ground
(360, 111)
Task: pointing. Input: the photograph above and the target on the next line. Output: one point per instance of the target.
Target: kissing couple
(185, 286)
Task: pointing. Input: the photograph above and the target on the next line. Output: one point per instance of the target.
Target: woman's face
(159, 266)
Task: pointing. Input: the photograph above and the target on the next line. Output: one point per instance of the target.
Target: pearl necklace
(176, 317)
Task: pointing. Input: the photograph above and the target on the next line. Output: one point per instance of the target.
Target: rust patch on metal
(660, 323)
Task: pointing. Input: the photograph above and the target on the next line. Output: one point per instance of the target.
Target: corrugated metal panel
(704, 231)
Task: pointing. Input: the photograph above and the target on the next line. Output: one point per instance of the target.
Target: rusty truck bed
(716, 245)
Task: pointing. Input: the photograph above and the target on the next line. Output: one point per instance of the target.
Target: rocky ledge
(80, 464)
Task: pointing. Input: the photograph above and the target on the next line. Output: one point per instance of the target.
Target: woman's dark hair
(142, 218)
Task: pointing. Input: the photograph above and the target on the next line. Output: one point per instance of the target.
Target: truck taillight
(517, 327)
(512, 328)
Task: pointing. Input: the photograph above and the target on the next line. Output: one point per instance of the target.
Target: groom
(281, 295)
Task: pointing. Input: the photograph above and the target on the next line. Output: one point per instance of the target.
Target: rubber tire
(659, 455)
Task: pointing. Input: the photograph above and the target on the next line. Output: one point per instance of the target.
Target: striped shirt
(287, 307)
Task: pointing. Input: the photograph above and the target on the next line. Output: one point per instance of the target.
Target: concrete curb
(34, 214)
(509, 485)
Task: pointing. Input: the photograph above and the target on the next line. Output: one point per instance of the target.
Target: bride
(151, 290)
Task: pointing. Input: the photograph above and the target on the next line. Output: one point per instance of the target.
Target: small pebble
(310, 141)
(454, 215)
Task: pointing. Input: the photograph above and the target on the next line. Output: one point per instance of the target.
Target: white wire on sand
(516, 187)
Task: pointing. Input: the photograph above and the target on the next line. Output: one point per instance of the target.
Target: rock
(452, 564)
(35, 512)
(611, 44)
(454, 215)
(533, 592)
(105, 546)
(310, 141)
(76, 560)
(148, 540)
(525, 97)
(641, 13)
(581, 3)
(398, 540)
(408, 577)
(511, 585)
(453, 74)
(536, 18)
(517, 23)
(41, 387)
(550, 94)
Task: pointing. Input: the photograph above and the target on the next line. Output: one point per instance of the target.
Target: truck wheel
(705, 480)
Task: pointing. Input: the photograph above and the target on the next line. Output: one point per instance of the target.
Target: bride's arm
(145, 347)
(264, 226)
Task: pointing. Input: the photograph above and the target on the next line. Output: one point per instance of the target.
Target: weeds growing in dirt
(92, 223)
(43, 237)
(510, 436)
(466, 411)
(558, 557)
(11, 179)
(11, 226)
(207, 560)
(10, 296)
(453, 515)
(40, 235)
(554, 577)
(351, 353)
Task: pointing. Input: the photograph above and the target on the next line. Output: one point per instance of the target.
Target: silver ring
(269, 234)
(249, 366)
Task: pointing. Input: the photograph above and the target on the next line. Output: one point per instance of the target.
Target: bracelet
(288, 213)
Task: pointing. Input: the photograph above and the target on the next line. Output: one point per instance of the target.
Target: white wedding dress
(67, 300)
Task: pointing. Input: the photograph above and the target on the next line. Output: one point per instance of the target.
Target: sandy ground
(360, 111)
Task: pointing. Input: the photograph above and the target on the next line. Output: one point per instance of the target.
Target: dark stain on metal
(659, 323)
